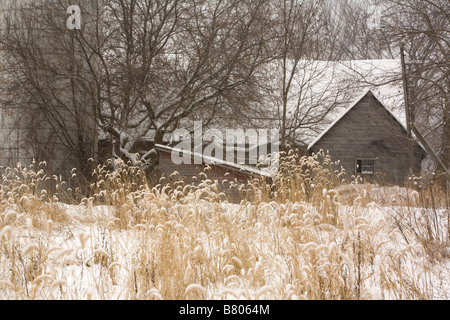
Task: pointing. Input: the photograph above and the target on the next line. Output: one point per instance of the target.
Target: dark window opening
(365, 166)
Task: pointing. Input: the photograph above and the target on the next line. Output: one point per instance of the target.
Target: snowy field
(195, 249)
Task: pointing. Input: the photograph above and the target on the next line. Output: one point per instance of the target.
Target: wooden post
(405, 91)
(410, 160)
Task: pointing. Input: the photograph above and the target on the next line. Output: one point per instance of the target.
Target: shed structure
(370, 142)
(231, 179)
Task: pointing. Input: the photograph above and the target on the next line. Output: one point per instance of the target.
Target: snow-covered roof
(217, 161)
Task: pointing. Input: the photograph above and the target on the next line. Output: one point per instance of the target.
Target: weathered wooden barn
(231, 179)
(371, 142)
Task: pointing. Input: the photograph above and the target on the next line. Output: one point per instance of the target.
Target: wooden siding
(369, 131)
(230, 181)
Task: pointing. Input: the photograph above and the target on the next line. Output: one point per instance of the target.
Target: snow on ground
(260, 251)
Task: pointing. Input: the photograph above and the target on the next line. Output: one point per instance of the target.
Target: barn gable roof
(366, 93)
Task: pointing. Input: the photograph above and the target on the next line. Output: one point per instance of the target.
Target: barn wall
(369, 131)
(191, 174)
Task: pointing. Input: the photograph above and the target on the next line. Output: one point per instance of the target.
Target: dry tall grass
(295, 239)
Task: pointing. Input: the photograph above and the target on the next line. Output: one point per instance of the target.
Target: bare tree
(142, 67)
(423, 27)
(355, 26)
(170, 62)
(305, 88)
(43, 87)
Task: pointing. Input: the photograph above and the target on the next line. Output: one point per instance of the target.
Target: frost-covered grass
(313, 238)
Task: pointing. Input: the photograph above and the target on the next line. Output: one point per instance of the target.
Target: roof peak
(367, 92)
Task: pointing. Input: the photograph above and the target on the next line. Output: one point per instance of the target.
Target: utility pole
(405, 92)
(410, 159)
